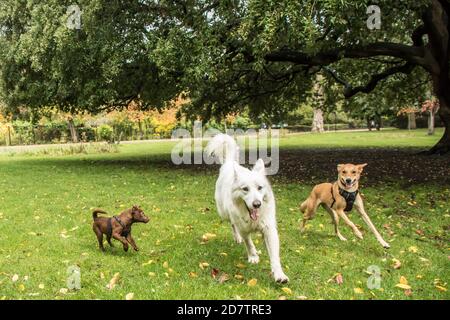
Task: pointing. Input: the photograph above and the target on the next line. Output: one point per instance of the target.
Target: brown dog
(338, 198)
(118, 227)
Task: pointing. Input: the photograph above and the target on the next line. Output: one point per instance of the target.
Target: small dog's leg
(335, 220)
(236, 235)
(99, 235)
(251, 250)
(273, 248)
(360, 208)
(121, 239)
(344, 217)
(131, 241)
(108, 238)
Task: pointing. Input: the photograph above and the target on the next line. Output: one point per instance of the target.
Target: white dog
(244, 197)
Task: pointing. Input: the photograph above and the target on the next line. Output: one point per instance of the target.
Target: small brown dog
(338, 198)
(118, 227)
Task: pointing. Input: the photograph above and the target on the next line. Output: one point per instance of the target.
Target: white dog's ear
(259, 167)
(340, 166)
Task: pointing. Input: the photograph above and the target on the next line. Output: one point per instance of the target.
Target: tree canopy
(226, 56)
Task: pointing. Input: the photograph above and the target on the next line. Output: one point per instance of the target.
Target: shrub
(105, 132)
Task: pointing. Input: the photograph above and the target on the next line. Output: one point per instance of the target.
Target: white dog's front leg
(251, 250)
(273, 248)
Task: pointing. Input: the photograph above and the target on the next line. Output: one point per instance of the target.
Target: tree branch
(411, 54)
(406, 68)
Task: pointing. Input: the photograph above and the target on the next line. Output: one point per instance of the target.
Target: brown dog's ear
(135, 208)
(339, 167)
(361, 166)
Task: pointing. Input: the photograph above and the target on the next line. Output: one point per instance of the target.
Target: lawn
(45, 223)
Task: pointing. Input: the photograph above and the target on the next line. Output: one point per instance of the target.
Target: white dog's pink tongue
(254, 214)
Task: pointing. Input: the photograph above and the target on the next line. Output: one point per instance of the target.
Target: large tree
(264, 54)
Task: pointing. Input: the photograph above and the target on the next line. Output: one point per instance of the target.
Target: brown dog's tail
(97, 211)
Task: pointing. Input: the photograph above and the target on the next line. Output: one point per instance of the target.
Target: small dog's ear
(135, 207)
(259, 167)
(339, 167)
(361, 166)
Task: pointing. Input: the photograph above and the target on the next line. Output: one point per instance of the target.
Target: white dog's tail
(223, 147)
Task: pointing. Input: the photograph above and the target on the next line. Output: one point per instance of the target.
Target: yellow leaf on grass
(396, 263)
(208, 236)
(413, 249)
(238, 276)
(21, 287)
(403, 284)
(41, 286)
(165, 265)
(112, 283)
(241, 266)
(63, 290)
(147, 263)
(358, 290)
(129, 296)
(152, 274)
(252, 282)
(287, 290)
(441, 288)
(203, 265)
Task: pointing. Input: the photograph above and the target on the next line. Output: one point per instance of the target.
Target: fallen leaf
(41, 286)
(358, 290)
(112, 283)
(147, 263)
(214, 272)
(208, 236)
(403, 284)
(203, 265)
(241, 266)
(413, 249)
(339, 279)
(287, 290)
(193, 275)
(63, 290)
(239, 276)
(21, 287)
(396, 263)
(302, 297)
(152, 274)
(252, 282)
(282, 298)
(441, 288)
(165, 265)
(223, 277)
(129, 296)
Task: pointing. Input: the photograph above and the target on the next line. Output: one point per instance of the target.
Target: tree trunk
(411, 121)
(443, 145)
(317, 125)
(73, 130)
(431, 123)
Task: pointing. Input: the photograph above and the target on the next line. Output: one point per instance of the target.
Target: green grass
(45, 227)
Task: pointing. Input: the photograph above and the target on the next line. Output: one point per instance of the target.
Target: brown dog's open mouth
(348, 185)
